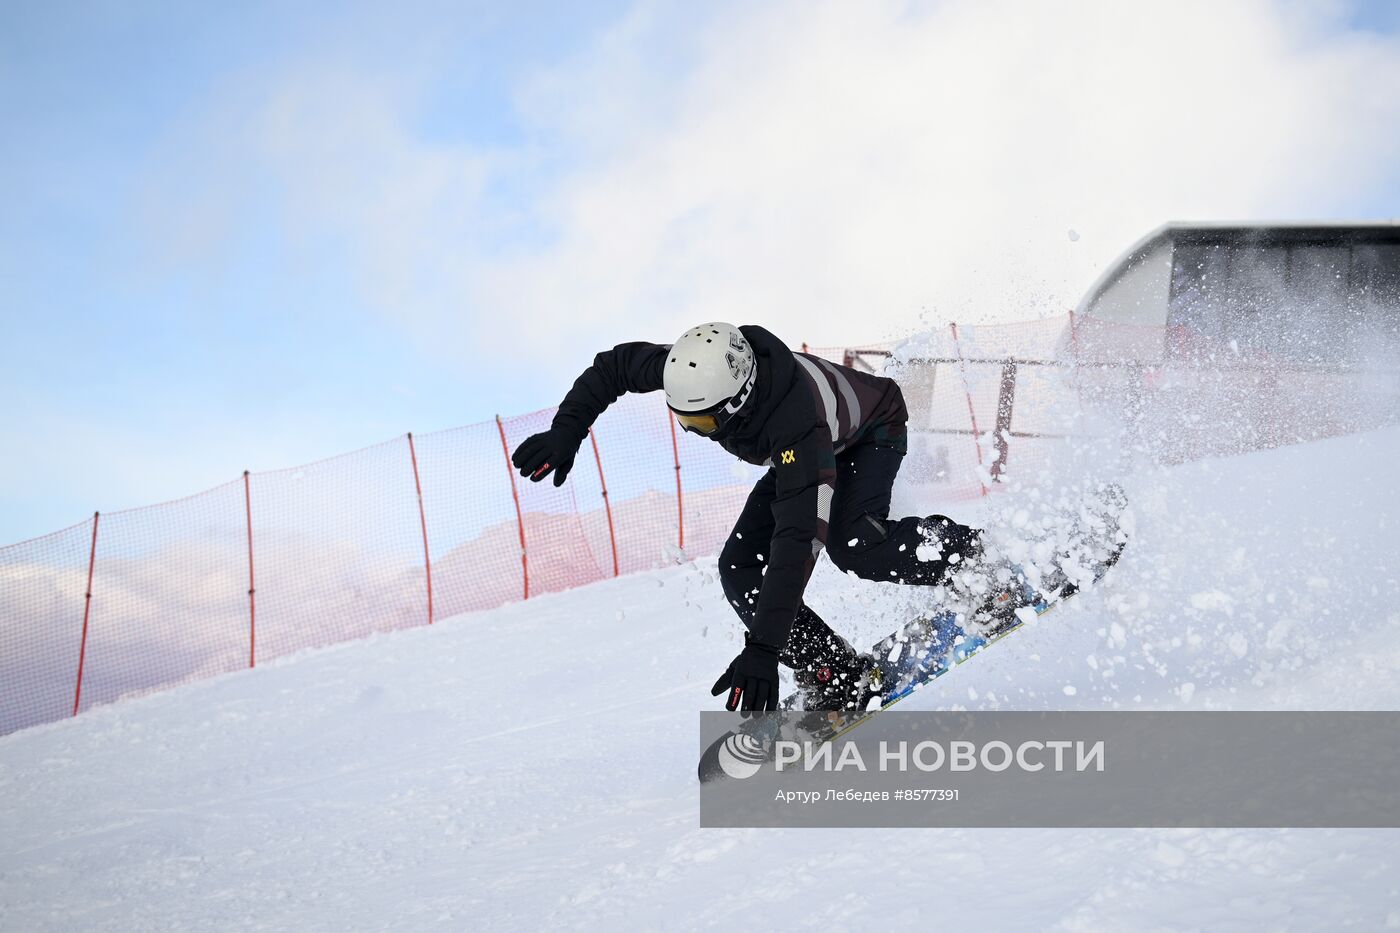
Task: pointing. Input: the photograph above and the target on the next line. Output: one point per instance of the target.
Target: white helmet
(708, 376)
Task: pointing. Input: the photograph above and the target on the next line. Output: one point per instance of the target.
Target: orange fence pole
(607, 505)
(519, 516)
(87, 609)
(680, 507)
(252, 606)
(971, 412)
(423, 523)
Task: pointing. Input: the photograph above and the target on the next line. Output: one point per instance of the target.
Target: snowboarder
(833, 439)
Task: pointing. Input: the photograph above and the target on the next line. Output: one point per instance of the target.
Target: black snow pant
(861, 539)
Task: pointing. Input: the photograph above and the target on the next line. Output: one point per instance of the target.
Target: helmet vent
(692, 365)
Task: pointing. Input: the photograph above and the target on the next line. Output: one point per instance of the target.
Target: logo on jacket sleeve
(789, 457)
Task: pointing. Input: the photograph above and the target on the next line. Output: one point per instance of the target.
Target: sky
(245, 236)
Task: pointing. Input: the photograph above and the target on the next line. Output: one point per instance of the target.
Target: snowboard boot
(845, 685)
(1007, 603)
(829, 674)
(1093, 541)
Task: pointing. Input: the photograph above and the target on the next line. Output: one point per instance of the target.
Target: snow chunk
(1213, 601)
(1239, 645)
(928, 552)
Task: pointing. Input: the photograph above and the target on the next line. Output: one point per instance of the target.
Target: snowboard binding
(842, 684)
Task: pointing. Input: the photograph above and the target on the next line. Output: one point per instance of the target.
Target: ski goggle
(700, 423)
(710, 420)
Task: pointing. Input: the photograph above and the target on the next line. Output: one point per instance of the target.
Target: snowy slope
(533, 767)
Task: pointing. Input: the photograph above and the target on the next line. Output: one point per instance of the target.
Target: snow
(532, 767)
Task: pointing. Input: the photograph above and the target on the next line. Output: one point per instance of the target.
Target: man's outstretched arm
(627, 367)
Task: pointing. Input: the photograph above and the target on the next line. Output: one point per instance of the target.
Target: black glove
(551, 451)
(752, 676)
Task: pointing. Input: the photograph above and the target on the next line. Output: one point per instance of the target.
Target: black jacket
(804, 413)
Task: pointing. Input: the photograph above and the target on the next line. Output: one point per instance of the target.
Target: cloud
(834, 170)
(324, 161)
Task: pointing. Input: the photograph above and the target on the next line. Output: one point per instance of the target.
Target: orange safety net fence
(423, 527)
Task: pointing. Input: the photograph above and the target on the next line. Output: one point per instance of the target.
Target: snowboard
(905, 661)
(928, 648)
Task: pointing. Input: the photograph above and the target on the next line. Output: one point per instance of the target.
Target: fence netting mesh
(278, 562)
